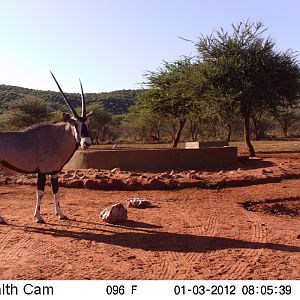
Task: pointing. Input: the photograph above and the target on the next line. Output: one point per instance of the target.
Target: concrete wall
(203, 145)
(154, 159)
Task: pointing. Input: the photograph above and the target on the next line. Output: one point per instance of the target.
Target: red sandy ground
(250, 232)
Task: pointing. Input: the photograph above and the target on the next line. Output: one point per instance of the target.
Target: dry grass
(260, 146)
(269, 146)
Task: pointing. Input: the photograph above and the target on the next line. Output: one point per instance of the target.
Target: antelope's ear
(66, 117)
(89, 114)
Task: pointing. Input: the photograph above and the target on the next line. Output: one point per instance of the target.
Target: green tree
(286, 118)
(141, 122)
(262, 122)
(195, 124)
(220, 112)
(99, 122)
(174, 91)
(25, 112)
(246, 71)
(115, 129)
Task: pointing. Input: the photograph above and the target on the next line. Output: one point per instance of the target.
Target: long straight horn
(83, 106)
(75, 114)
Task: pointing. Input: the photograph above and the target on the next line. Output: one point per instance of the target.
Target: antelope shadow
(83, 225)
(151, 240)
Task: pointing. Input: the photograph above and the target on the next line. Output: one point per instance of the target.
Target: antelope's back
(43, 148)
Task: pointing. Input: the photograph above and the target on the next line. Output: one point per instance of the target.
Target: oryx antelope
(44, 149)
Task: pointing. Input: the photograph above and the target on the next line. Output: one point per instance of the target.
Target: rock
(117, 184)
(192, 172)
(75, 176)
(265, 171)
(114, 214)
(20, 181)
(115, 170)
(5, 180)
(172, 184)
(78, 172)
(99, 176)
(31, 176)
(67, 176)
(183, 173)
(135, 174)
(138, 203)
(185, 184)
(194, 176)
(69, 171)
(96, 184)
(132, 184)
(165, 175)
(77, 184)
(155, 184)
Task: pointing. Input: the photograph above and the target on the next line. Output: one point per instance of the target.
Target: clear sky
(110, 44)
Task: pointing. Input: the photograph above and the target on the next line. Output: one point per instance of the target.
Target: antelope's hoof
(40, 221)
(2, 222)
(63, 217)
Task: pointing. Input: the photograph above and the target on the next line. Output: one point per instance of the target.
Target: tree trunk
(285, 129)
(256, 120)
(256, 129)
(229, 132)
(247, 135)
(158, 134)
(193, 130)
(178, 133)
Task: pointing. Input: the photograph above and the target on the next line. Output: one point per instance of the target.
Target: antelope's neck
(75, 133)
(72, 130)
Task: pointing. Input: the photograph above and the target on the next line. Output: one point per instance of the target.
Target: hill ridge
(115, 102)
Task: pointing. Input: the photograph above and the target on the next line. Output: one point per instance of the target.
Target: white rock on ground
(114, 214)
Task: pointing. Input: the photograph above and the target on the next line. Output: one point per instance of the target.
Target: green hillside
(116, 102)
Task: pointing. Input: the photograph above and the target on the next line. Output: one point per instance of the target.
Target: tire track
(260, 234)
(183, 263)
(209, 229)
(17, 249)
(168, 270)
(170, 258)
(4, 239)
(20, 249)
(239, 270)
(170, 264)
(14, 251)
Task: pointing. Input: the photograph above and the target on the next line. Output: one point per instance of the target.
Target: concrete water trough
(134, 159)
(203, 145)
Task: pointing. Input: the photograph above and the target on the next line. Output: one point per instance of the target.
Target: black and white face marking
(84, 137)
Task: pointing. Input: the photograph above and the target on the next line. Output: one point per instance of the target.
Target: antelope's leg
(39, 195)
(55, 187)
